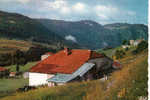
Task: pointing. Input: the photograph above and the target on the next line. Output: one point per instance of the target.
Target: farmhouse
(135, 42)
(69, 66)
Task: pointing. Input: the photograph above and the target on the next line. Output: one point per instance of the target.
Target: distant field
(11, 45)
(7, 46)
(108, 52)
(111, 52)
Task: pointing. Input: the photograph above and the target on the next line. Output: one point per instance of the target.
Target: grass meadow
(129, 83)
(8, 86)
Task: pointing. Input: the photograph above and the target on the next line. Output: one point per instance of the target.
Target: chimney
(67, 51)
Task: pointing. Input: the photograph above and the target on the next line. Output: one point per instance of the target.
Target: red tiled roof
(2, 69)
(63, 63)
(13, 73)
(43, 68)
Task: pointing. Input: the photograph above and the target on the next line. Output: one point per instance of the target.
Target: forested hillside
(93, 35)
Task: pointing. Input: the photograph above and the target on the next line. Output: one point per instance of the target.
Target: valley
(68, 46)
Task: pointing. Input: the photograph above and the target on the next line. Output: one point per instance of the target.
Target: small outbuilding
(12, 74)
(4, 72)
(46, 55)
(117, 65)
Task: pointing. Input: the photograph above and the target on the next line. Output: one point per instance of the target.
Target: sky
(101, 11)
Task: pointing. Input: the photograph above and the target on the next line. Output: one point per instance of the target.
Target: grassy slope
(130, 83)
(23, 68)
(127, 84)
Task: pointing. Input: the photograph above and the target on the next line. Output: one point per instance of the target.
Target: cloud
(20, 1)
(103, 16)
(131, 13)
(5, 1)
(79, 7)
(110, 14)
(104, 12)
(70, 37)
(65, 10)
(23, 1)
(57, 4)
(106, 9)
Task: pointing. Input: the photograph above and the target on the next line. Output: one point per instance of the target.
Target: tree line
(19, 57)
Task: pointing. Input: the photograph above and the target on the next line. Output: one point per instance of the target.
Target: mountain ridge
(86, 34)
(94, 35)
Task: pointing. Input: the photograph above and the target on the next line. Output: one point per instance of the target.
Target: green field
(9, 86)
(23, 68)
(129, 83)
(109, 52)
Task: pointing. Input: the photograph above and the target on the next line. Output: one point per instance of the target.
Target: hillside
(79, 34)
(11, 45)
(8, 46)
(92, 35)
(129, 31)
(32, 51)
(129, 83)
(16, 26)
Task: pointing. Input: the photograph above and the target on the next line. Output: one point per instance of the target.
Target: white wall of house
(51, 84)
(60, 83)
(125, 46)
(36, 79)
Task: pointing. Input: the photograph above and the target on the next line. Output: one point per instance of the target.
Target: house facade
(69, 66)
(36, 79)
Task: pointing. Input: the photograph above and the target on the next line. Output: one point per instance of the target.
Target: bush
(141, 46)
(119, 54)
(126, 49)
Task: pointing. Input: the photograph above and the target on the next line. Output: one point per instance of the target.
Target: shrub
(119, 54)
(126, 49)
(141, 46)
